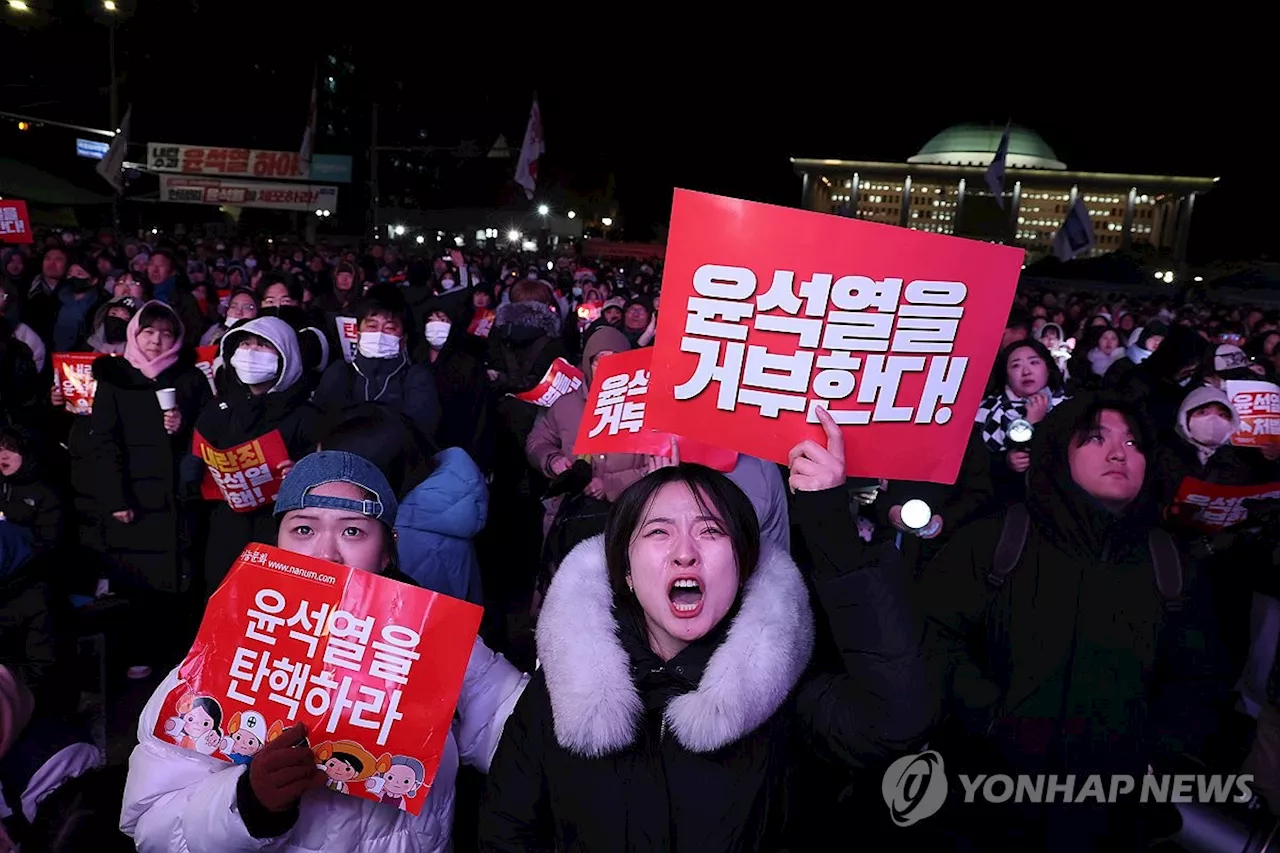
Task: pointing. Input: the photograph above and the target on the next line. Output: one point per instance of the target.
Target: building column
(904, 214)
(1014, 206)
(853, 195)
(1184, 228)
(806, 191)
(1126, 236)
(955, 217)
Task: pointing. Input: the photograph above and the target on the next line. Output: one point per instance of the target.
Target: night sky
(721, 126)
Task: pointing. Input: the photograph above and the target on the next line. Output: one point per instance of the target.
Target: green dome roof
(976, 144)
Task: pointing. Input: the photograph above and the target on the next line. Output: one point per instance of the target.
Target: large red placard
(370, 666)
(770, 313)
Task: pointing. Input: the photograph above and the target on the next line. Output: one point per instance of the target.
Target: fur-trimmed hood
(531, 315)
(594, 700)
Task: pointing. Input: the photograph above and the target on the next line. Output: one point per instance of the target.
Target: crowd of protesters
(670, 657)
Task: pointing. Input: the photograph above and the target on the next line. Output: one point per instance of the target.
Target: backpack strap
(1013, 540)
(1167, 564)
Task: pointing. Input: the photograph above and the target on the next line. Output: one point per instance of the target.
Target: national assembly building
(941, 189)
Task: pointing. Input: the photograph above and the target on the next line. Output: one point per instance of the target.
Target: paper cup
(168, 399)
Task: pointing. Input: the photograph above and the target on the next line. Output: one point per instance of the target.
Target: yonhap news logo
(915, 787)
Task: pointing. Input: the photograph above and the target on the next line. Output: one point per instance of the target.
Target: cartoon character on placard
(398, 779)
(344, 762)
(198, 725)
(246, 734)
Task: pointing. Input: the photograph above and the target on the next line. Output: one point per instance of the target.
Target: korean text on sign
(74, 373)
(561, 378)
(15, 226)
(1210, 507)
(1258, 404)
(289, 639)
(614, 419)
(247, 476)
(774, 313)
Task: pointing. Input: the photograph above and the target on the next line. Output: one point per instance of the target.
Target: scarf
(999, 411)
(1099, 361)
(133, 354)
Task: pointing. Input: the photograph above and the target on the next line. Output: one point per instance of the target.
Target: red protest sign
(614, 418)
(205, 357)
(1258, 404)
(1211, 507)
(561, 378)
(246, 476)
(348, 336)
(15, 225)
(482, 323)
(770, 313)
(74, 373)
(287, 639)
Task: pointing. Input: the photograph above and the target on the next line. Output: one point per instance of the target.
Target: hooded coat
(524, 342)
(28, 501)
(1075, 664)
(556, 430)
(237, 416)
(437, 521)
(611, 749)
(137, 464)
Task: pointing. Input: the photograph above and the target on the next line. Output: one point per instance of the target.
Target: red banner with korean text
(246, 476)
(561, 378)
(1210, 507)
(372, 667)
(15, 225)
(205, 357)
(482, 323)
(770, 313)
(614, 418)
(1258, 404)
(74, 372)
(348, 336)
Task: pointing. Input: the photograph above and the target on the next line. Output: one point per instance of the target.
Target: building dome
(976, 144)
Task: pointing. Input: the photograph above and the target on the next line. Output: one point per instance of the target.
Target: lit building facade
(942, 190)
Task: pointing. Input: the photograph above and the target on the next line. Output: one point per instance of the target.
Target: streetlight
(19, 6)
(1199, 278)
(398, 231)
(607, 222)
(421, 239)
(543, 210)
(513, 235)
(571, 214)
(109, 5)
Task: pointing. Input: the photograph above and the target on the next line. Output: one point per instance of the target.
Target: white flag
(309, 134)
(111, 167)
(530, 152)
(995, 171)
(1076, 234)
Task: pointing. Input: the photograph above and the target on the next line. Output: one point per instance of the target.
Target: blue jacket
(436, 523)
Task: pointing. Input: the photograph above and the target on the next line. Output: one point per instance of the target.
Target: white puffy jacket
(178, 800)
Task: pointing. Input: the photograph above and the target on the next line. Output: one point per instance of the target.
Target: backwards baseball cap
(337, 466)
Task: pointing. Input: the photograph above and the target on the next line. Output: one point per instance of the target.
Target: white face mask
(379, 345)
(437, 332)
(1210, 431)
(255, 366)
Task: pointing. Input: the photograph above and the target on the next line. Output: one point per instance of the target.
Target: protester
(177, 796)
